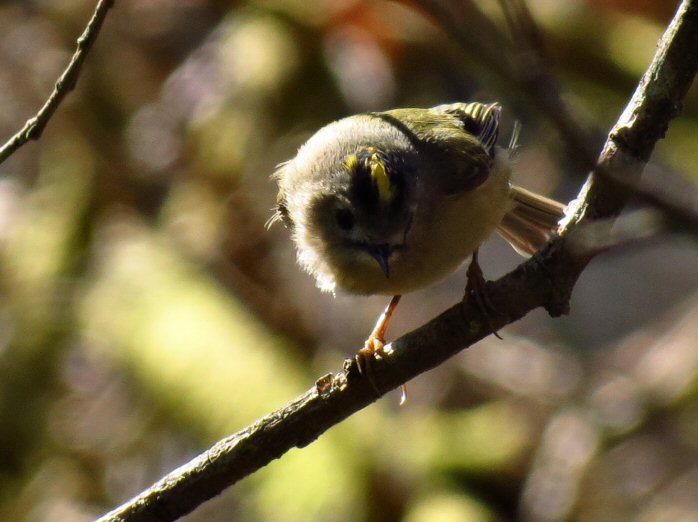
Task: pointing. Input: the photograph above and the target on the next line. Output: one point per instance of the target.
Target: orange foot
(374, 347)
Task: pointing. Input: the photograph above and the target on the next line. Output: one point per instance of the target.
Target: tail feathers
(531, 222)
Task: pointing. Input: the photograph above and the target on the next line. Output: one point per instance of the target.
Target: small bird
(391, 202)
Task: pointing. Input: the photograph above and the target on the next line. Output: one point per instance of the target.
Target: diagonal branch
(546, 280)
(34, 126)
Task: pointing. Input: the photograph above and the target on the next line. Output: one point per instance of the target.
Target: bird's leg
(374, 344)
(477, 289)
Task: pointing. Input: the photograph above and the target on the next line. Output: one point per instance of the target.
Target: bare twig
(546, 280)
(35, 126)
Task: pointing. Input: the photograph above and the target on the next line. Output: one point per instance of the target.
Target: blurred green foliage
(145, 311)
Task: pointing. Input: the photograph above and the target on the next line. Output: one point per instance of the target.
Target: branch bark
(545, 281)
(34, 126)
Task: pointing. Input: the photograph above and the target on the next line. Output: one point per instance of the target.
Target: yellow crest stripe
(380, 178)
(351, 162)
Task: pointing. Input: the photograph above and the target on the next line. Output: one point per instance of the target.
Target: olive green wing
(458, 138)
(479, 119)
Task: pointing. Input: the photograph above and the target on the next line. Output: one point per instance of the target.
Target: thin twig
(34, 126)
(546, 280)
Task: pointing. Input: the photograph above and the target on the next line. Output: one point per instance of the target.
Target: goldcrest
(390, 202)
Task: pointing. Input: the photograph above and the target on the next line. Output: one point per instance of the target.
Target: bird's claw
(372, 350)
(476, 288)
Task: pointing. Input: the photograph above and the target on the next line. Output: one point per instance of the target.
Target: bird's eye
(345, 218)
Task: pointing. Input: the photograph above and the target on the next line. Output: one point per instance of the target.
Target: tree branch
(546, 280)
(34, 126)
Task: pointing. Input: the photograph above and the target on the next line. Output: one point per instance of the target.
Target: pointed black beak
(381, 253)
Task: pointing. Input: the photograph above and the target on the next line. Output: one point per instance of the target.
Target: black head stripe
(365, 187)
